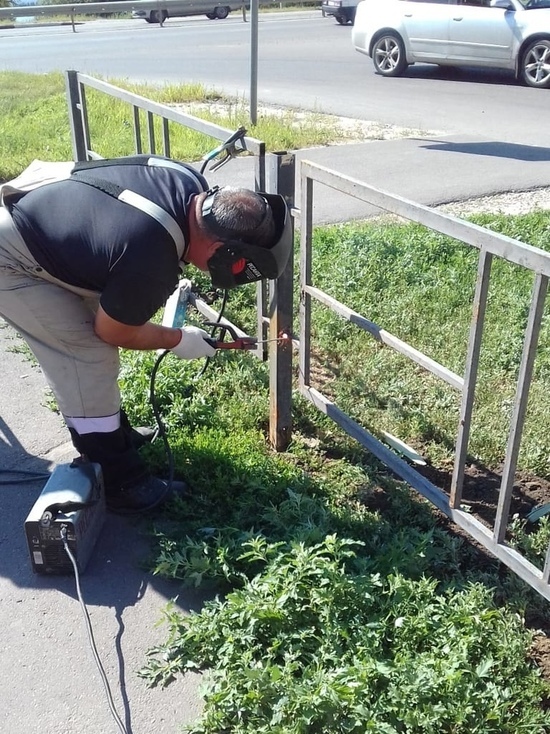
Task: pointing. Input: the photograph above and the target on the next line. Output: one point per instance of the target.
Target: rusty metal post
(280, 178)
(78, 132)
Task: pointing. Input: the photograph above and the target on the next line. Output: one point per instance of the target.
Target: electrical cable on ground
(161, 428)
(154, 404)
(26, 476)
(89, 629)
(218, 321)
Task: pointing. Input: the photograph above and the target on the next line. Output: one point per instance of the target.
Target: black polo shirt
(88, 238)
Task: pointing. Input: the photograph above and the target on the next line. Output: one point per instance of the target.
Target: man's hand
(193, 344)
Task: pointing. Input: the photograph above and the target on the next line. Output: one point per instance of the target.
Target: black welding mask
(254, 255)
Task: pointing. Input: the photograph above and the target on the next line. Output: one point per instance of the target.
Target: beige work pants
(56, 321)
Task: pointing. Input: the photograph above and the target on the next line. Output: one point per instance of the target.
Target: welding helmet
(245, 257)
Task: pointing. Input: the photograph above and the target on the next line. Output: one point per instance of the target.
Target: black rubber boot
(129, 487)
(140, 435)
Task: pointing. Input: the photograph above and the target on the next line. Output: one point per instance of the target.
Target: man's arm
(146, 336)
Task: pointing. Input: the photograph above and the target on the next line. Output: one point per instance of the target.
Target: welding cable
(213, 332)
(24, 478)
(90, 631)
(161, 428)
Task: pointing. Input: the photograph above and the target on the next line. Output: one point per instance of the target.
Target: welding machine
(71, 506)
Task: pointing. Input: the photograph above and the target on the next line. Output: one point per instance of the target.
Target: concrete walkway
(48, 678)
(430, 171)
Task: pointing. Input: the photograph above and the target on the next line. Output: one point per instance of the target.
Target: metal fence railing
(276, 173)
(490, 245)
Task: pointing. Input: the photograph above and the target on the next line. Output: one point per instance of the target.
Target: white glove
(193, 344)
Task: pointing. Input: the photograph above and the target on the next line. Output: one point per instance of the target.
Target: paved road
(305, 61)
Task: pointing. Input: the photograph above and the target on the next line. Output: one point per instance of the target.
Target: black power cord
(161, 429)
(91, 638)
(24, 478)
(214, 328)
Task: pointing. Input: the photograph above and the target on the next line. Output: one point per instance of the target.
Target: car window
(476, 3)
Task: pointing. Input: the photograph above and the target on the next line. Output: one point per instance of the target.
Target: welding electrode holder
(239, 342)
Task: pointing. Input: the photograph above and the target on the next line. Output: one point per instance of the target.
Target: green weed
(34, 121)
(309, 645)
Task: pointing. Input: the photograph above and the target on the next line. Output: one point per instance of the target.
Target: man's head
(252, 231)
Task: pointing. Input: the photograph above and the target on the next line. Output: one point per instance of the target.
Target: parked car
(210, 8)
(342, 10)
(497, 34)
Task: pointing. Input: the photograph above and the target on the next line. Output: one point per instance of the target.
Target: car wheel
(155, 16)
(535, 64)
(388, 55)
(211, 16)
(222, 12)
(340, 19)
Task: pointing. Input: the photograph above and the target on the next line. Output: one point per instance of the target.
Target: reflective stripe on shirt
(158, 213)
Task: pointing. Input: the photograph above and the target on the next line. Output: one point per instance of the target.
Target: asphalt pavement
(430, 170)
(48, 678)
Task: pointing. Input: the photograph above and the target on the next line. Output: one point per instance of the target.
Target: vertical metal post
(78, 137)
(546, 568)
(261, 290)
(470, 376)
(259, 169)
(137, 129)
(254, 61)
(165, 137)
(151, 133)
(280, 178)
(262, 319)
(520, 404)
(306, 236)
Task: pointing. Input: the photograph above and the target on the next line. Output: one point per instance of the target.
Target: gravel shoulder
(513, 202)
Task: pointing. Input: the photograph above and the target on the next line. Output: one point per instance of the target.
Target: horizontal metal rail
(120, 6)
(472, 234)
(77, 84)
(386, 338)
(509, 556)
(168, 113)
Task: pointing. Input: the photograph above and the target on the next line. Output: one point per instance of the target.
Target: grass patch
(34, 121)
(419, 286)
(343, 606)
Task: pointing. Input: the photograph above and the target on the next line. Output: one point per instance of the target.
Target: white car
(498, 34)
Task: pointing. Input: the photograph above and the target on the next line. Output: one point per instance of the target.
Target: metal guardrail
(491, 245)
(118, 6)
